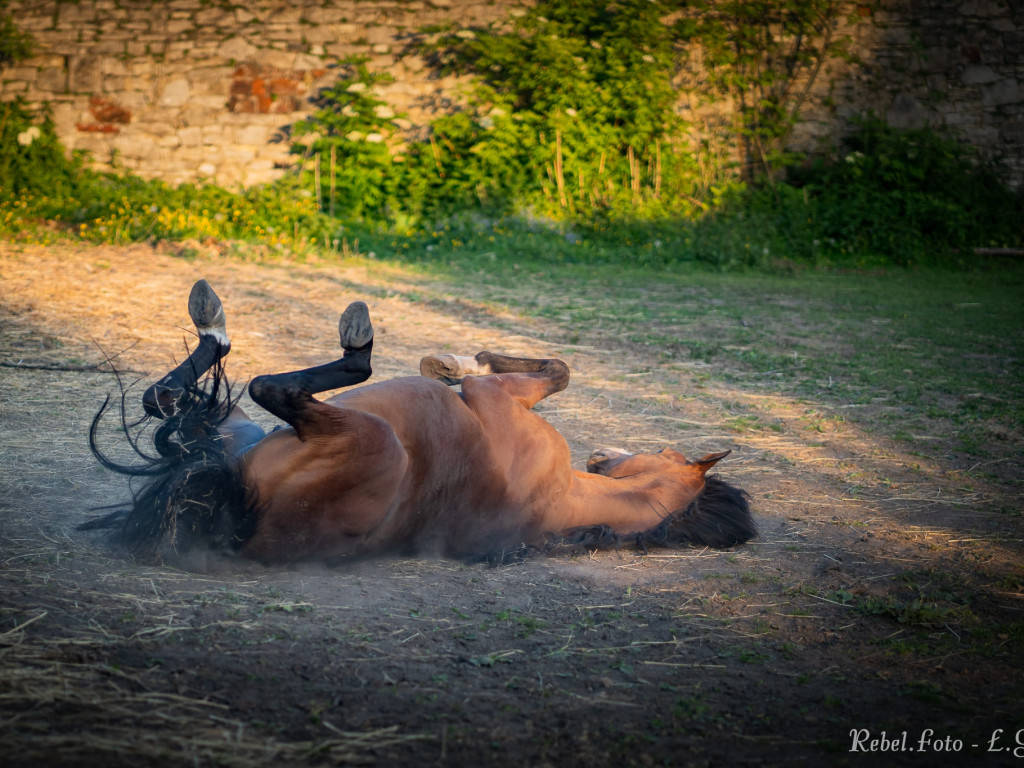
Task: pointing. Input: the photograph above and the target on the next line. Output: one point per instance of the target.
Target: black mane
(191, 494)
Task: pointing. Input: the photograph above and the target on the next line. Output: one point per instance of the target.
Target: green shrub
(571, 115)
(15, 45)
(31, 156)
(573, 111)
(347, 158)
(910, 196)
(39, 183)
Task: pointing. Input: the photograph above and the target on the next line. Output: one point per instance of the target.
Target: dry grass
(414, 661)
(61, 708)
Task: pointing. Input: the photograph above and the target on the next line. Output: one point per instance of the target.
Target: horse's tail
(718, 517)
(191, 494)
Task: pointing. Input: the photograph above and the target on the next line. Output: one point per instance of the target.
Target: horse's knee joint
(259, 389)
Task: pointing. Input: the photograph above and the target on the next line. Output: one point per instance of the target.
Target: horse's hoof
(446, 368)
(207, 312)
(354, 328)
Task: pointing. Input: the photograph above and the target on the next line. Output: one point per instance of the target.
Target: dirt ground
(880, 607)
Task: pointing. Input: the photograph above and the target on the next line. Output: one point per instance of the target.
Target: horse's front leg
(540, 377)
(177, 392)
(171, 394)
(289, 396)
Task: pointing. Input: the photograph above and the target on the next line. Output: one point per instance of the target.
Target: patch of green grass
(917, 354)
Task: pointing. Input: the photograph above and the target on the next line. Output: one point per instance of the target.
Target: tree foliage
(573, 110)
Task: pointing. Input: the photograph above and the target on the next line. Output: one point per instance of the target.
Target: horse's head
(721, 519)
(613, 462)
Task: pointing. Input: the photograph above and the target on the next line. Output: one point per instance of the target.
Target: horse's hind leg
(539, 378)
(166, 398)
(289, 396)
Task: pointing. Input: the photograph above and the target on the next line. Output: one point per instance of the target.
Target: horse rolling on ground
(408, 465)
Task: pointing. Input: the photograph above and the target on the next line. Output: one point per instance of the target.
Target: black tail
(191, 494)
(719, 517)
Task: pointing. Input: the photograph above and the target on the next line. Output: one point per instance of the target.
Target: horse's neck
(628, 504)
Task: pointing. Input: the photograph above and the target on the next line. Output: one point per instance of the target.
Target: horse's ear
(710, 460)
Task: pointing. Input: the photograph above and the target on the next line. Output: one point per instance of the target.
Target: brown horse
(408, 465)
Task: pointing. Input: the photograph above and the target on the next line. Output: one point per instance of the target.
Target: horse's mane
(190, 494)
(718, 517)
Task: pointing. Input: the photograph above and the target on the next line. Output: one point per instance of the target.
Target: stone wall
(193, 90)
(957, 64)
(190, 90)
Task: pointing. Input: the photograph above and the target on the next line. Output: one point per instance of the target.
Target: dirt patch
(884, 594)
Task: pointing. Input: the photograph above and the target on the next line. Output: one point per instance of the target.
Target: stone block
(982, 8)
(237, 49)
(239, 154)
(213, 135)
(134, 99)
(113, 66)
(287, 13)
(1004, 92)
(210, 17)
(34, 23)
(305, 62)
(175, 93)
(318, 35)
(906, 112)
(44, 60)
(138, 48)
(190, 136)
(321, 15)
(24, 74)
(109, 47)
(934, 59)
(85, 74)
(278, 59)
(135, 145)
(380, 35)
(180, 49)
(212, 103)
(955, 118)
(74, 13)
(65, 115)
(253, 134)
(978, 74)
(95, 144)
(144, 67)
